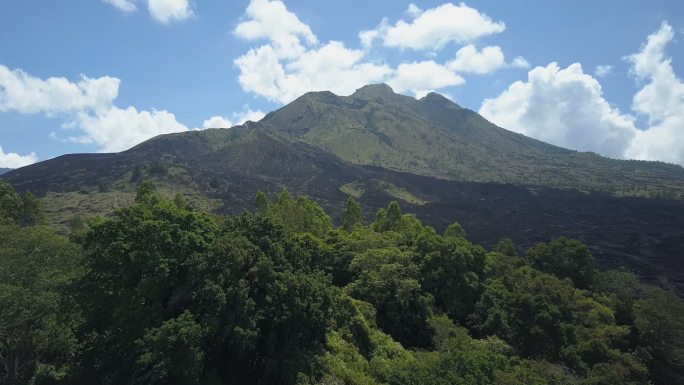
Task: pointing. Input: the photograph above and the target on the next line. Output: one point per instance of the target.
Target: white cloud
(413, 10)
(603, 70)
(26, 94)
(123, 5)
(271, 20)
(293, 62)
(520, 62)
(469, 59)
(367, 37)
(661, 100)
(564, 107)
(118, 129)
(237, 118)
(423, 77)
(166, 11)
(217, 122)
(490, 59)
(87, 105)
(436, 27)
(14, 160)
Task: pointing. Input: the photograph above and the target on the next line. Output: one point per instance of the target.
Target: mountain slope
(435, 137)
(328, 146)
(223, 169)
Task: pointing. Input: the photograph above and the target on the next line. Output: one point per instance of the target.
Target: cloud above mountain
(434, 28)
(14, 160)
(292, 60)
(90, 114)
(566, 107)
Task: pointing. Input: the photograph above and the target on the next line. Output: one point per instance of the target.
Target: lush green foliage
(162, 294)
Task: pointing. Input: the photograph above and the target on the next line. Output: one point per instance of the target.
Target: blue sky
(103, 75)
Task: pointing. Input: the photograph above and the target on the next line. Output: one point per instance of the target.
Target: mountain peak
(374, 91)
(435, 98)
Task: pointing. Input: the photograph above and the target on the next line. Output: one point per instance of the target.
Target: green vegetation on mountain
(308, 147)
(161, 293)
(434, 136)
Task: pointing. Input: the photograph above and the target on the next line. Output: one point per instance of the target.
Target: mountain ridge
(435, 137)
(222, 169)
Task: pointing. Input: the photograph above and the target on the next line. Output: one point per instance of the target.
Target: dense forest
(163, 293)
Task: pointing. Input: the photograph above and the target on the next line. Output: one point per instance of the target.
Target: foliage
(300, 214)
(24, 209)
(159, 293)
(352, 214)
(37, 319)
(565, 258)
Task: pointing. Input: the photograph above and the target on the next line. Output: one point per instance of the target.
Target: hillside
(222, 170)
(435, 137)
(4, 170)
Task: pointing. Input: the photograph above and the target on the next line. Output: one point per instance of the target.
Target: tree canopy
(159, 293)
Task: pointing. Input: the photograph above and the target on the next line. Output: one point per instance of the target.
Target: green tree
(506, 247)
(659, 321)
(172, 353)
(564, 258)
(32, 210)
(455, 230)
(388, 280)
(389, 219)
(11, 205)
(300, 214)
(536, 312)
(37, 319)
(261, 202)
(352, 214)
(146, 191)
(451, 270)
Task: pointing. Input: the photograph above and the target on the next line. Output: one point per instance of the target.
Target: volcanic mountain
(442, 162)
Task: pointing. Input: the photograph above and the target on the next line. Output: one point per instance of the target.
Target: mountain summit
(376, 145)
(435, 137)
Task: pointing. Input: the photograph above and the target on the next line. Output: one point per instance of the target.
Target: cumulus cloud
(167, 11)
(423, 77)
(87, 106)
(26, 94)
(661, 101)
(236, 119)
(271, 20)
(118, 129)
(469, 59)
(434, 28)
(217, 122)
(564, 107)
(603, 70)
(293, 61)
(164, 11)
(14, 160)
(520, 62)
(123, 5)
(413, 10)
